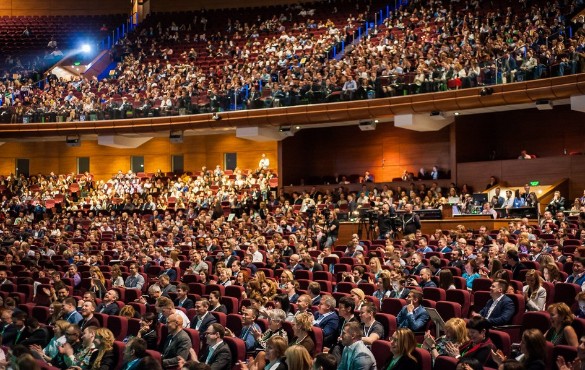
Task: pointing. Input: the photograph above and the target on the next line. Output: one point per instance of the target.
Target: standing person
(410, 221)
(356, 355)
(332, 229)
(386, 221)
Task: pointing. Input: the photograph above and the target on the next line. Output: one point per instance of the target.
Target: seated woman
(455, 333)
(147, 331)
(375, 267)
(534, 292)
(479, 346)
(561, 331)
(215, 302)
(282, 302)
(533, 349)
(103, 358)
(275, 319)
(56, 341)
(384, 285)
(302, 326)
(402, 345)
(446, 280)
(275, 348)
(551, 273)
(471, 273)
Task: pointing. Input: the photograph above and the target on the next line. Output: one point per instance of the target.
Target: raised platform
(346, 229)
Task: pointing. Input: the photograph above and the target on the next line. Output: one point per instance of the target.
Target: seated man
(327, 320)
(108, 304)
(413, 316)
(176, 345)
(134, 280)
(500, 309)
(217, 354)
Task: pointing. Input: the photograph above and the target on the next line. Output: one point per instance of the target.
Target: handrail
(310, 115)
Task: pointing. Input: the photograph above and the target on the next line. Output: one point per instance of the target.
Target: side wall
(385, 152)
(182, 5)
(63, 7)
(198, 151)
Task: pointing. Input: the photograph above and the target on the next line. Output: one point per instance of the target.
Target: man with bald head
(177, 343)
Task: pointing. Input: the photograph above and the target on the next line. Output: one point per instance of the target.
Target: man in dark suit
(8, 329)
(500, 309)
(182, 299)
(134, 352)
(513, 263)
(169, 271)
(177, 343)
(326, 319)
(311, 265)
(217, 354)
(21, 331)
(108, 304)
(38, 335)
(165, 285)
(203, 319)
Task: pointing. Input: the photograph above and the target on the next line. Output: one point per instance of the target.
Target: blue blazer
(415, 321)
(329, 326)
(502, 313)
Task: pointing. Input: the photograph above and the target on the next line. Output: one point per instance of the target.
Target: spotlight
(86, 48)
(486, 91)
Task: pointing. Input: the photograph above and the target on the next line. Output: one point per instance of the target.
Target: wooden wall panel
(105, 161)
(518, 172)
(63, 7)
(543, 133)
(178, 5)
(385, 152)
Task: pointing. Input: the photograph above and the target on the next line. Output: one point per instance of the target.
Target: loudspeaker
(176, 137)
(544, 105)
(367, 125)
(73, 142)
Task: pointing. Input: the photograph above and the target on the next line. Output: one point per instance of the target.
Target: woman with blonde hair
(298, 358)
(285, 277)
(455, 332)
(52, 349)
(98, 282)
(534, 292)
(103, 358)
(375, 267)
(302, 326)
(402, 345)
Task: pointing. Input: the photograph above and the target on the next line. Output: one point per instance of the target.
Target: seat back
(448, 310)
(461, 296)
(434, 294)
(237, 348)
(388, 322)
(536, 320)
(423, 358)
(317, 335)
(392, 305)
(382, 353)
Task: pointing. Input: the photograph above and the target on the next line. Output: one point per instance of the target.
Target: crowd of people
(272, 283)
(275, 60)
